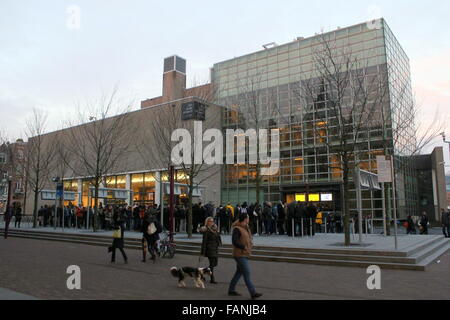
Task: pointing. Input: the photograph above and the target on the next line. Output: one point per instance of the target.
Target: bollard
(325, 226)
(310, 227)
(367, 225)
(301, 224)
(293, 228)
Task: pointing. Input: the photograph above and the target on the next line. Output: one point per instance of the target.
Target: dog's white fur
(196, 274)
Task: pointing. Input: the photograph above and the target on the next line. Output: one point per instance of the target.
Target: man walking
(424, 223)
(242, 247)
(445, 217)
(18, 214)
(7, 217)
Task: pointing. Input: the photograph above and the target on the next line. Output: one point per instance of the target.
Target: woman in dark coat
(410, 227)
(149, 241)
(118, 242)
(210, 244)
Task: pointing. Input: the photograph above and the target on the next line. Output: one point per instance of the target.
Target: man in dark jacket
(41, 216)
(311, 214)
(259, 217)
(299, 217)
(281, 218)
(411, 227)
(290, 216)
(18, 214)
(196, 217)
(223, 220)
(445, 217)
(46, 215)
(136, 219)
(267, 217)
(7, 217)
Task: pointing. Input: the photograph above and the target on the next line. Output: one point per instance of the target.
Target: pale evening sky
(46, 64)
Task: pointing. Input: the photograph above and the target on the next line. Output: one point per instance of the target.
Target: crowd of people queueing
(269, 219)
(280, 218)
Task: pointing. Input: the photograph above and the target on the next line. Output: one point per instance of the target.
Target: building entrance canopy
(182, 188)
(51, 195)
(110, 193)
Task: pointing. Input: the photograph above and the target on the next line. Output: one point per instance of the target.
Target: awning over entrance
(182, 188)
(110, 193)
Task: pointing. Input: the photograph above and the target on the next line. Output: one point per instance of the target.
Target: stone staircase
(415, 257)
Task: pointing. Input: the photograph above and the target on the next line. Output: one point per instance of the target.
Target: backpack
(151, 229)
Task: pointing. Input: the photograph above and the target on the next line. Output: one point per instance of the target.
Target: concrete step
(424, 254)
(431, 250)
(323, 256)
(355, 252)
(343, 263)
(431, 258)
(414, 249)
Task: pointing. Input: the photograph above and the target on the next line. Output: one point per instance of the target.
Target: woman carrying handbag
(210, 244)
(151, 228)
(118, 242)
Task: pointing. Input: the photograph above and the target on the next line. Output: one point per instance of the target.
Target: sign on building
(110, 193)
(51, 195)
(193, 110)
(326, 197)
(384, 169)
(368, 180)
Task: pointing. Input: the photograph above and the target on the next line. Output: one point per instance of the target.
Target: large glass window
(143, 186)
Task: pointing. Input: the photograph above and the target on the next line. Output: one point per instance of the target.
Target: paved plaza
(37, 268)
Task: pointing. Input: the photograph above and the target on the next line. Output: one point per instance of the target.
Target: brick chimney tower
(174, 78)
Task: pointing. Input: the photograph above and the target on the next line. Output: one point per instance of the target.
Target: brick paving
(38, 268)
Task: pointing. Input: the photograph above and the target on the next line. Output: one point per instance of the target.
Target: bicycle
(166, 248)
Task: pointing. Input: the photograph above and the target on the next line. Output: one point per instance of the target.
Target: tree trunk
(387, 197)
(189, 213)
(258, 170)
(94, 218)
(258, 182)
(35, 211)
(346, 210)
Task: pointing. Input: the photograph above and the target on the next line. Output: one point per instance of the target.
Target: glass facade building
(273, 76)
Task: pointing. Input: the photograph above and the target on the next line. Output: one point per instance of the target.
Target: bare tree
(98, 141)
(398, 127)
(161, 121)
(5, 150)
(40, 153)
(340, 100)
(255, 107)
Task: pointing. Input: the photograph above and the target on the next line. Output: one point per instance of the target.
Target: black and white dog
(198, 274)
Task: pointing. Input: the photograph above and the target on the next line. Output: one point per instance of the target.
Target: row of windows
(339, 36)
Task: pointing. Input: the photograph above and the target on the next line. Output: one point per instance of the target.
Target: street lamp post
(445, 141)
(55, 219)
